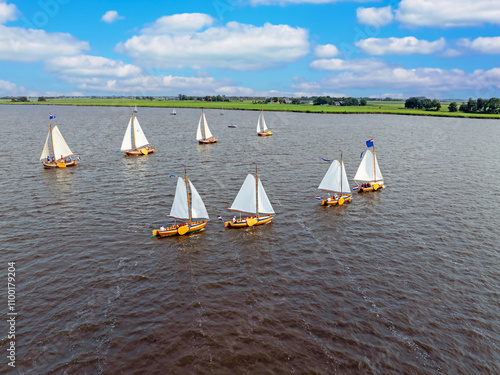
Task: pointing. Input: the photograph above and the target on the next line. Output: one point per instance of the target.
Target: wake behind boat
(185, 209)
(134, 141)
(61, 153)
(335, 181)
(368, 171)
(251, 199)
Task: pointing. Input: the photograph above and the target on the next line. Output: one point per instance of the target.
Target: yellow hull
(180, 229)
(140, 151)
(58, 164)
(370, 187)
(265, 134)
(330, 201)
(248, 222)
(207, 141)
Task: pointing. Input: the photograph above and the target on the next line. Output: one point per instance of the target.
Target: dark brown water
(405, 280)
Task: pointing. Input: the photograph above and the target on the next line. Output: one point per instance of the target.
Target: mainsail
(263, 121)
(61, 148)
(332, 180)
(368, 168)
(203, 131)
(140, 138)
(246, 200)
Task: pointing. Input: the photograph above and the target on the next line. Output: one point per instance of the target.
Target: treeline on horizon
(480, 105)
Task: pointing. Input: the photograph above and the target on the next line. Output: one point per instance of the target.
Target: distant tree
(295, 101)
(414, 103)
(42, 99)
(320, 100)
(480, 104)
(351, 101)
(22, 99)
(452, 107)
(436, 104)
(463, 107)
(362, 102)
(471, 105)
(493, 105)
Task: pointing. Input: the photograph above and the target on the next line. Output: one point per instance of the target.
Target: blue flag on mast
(369, 143)
(51, 117)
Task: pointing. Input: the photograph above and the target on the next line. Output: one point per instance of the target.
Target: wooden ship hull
(207, 141)
(265, 134)
(180, 229)
(340, 201)
(248, 222)
(140, 151)
(58, 164)
(371, 186)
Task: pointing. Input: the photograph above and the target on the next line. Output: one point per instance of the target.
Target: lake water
(403, 280)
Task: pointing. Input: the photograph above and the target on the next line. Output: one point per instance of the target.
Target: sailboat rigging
(61, 153)
(335, 181)
(251, 199)
(369, 171)
(134, 141)
(186, 210)
(203, 134)
(264, 131)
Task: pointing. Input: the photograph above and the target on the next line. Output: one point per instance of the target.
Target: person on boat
(234, 219)
(162, 229)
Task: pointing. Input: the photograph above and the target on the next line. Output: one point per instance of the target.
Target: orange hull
(140, 151)
(60, 164)
(265, 134)
(207, 141)
(372, 187)
(180, 229)
(242, 223)
(331, 201)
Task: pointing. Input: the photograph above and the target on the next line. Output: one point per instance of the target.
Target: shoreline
(248, 106)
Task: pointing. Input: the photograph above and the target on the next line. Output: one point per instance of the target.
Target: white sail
(199, 136)
(263, 121)
(180, 206)
(46, 152)
(264, 204)
(198, 209)
(331, 181)
(61, 148)
(140, 138)
(173, 111)
(127, 138)
(368, 168)
(246, 200)
(208, 133)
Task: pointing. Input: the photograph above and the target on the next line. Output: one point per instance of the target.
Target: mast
(256, 192)
(133, 129)
(52, 140)
(374, 169)
(341, 163)
(204, 124)
(187, 192)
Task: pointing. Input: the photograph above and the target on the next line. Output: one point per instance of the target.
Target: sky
(441, 49)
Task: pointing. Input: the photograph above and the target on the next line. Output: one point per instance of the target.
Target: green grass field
(385, 107)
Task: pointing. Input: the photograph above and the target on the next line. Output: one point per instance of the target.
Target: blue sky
(437, 48)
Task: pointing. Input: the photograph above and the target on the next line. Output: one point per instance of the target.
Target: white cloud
(10, 89)
(375, 17)
(90, 66)
(326, 51)
(350, 65)
(448, 13)
(27, 45)
(111, 16)
(234, 46)
(423, 81)
(485, 45)
(179, 23)
(399, 46)
(8, 12)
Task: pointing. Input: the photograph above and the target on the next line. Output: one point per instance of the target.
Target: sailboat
(185, 209)
(222, 110)
(61, 153)
(335, 181)
(251, 199)
(140, 145)
(203, 134)
(265, 131)
(173, 112)
(369, 172)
